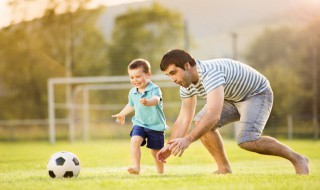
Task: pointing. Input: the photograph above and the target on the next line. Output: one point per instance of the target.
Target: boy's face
(138, 78)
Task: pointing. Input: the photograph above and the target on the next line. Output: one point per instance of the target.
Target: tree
(286, 57)
(274, 47)
(286, 91)
(24, 74)
(37, 50)
(144, 33)
(308, 54)
(75, 36)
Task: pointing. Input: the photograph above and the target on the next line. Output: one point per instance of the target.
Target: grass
(104, 163)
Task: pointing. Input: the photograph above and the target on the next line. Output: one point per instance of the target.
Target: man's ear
(187, 66)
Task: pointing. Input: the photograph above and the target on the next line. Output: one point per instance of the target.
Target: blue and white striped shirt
(239, 80)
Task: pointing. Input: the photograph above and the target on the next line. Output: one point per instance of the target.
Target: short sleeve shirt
(239, 80)
(151, 117)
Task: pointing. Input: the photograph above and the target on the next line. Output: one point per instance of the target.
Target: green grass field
(104, 163)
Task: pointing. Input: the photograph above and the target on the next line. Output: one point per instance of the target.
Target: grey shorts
(251, 115)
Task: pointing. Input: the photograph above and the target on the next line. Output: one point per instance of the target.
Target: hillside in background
(211, 22)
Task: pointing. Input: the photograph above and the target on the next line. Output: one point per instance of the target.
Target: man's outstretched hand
(163, 154)
(178, 146)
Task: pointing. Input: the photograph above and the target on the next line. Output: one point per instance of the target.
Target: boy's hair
(137, 63)
(177, 57)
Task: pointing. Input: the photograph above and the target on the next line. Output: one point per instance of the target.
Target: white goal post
(84, 85)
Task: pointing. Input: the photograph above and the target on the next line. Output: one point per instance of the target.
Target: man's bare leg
(213, 142)
(270, 146)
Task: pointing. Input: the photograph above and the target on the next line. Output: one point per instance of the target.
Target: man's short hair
(140, 63)
(177, 57)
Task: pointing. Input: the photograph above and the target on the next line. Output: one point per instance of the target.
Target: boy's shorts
(153, 139)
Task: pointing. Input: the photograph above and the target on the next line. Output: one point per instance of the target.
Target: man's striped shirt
(239, 80)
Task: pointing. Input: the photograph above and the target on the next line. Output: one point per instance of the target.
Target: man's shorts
(153, 139)
(252, 115)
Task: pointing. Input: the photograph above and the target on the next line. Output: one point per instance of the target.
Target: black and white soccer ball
(63, 165)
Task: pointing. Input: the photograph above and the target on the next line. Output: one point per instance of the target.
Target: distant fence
(30, 129)
(296, 127)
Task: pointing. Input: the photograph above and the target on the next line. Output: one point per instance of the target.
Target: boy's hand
(144, 101)
(120, 118)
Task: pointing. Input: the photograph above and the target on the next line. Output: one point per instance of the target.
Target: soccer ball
(63, 164)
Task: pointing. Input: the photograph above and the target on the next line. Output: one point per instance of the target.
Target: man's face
(178, 75)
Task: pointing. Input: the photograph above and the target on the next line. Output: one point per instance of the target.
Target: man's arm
(215, 101)
(181, 126)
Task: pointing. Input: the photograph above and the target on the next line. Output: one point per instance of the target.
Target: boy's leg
(159, 165)
(155, 143)
(135, 154)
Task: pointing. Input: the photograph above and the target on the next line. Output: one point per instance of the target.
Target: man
(234, 92)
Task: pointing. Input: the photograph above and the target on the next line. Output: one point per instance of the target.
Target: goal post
(84, 85)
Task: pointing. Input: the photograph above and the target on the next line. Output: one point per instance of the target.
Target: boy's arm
(121, 115)
(126, 110)
(150, 102)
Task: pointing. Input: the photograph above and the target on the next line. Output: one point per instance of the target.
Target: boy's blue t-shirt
(151, 117)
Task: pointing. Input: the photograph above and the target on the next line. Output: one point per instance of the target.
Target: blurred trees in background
(287, 56)
(144, 33)
(37, 50)
(70, 42)
(273, 54)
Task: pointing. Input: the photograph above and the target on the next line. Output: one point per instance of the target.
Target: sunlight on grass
(104, 164)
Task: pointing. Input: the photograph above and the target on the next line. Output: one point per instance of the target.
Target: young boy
(149, 123)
